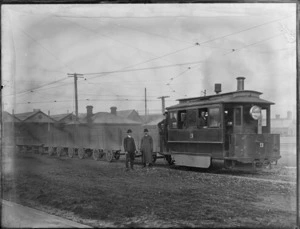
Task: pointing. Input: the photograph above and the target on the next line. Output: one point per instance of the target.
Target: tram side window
(214, 117)
(182, 120)
(191, 118)
(173, 120)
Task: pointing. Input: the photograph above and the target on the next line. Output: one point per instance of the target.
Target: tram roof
(245, 96)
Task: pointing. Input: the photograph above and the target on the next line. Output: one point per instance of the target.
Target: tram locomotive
(235, 129)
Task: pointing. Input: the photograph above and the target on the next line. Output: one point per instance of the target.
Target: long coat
(147, 149)
(129, 144)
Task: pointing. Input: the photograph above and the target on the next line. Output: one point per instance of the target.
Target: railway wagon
(233, 127)
(95, 135)
(32, 131)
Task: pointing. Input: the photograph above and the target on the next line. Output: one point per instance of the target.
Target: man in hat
(129, 148)
(147, 148)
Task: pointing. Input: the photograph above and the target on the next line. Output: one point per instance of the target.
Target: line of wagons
(237, 132)
(97, 135)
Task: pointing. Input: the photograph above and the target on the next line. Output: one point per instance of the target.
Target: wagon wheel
(109, 156)
(96, 154)
(59, 151)
(81, 153)
(154, 157)
(41, 150)
(169, 159)
(50, 150)
(117, 155)
(71, 152)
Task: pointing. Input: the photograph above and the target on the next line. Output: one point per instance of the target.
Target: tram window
(214, 117)
(173, 120)
(182, 123)
(238, 116)
(192, 118)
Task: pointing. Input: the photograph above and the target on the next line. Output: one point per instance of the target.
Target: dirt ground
(102, 194)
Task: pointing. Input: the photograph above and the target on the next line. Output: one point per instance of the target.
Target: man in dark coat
(147, 148)
(129, 148)
(163, 132)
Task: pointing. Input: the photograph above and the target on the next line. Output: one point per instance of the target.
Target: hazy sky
(176, 50)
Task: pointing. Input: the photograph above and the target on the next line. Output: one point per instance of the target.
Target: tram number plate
(261, 144)
(191, 135)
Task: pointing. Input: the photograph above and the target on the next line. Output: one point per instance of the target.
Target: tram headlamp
(255, 112)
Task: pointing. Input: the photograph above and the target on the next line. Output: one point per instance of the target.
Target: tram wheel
(169, 159)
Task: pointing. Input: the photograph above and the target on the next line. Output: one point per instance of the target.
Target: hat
(166, 112)
(146, 130)
(129, 131)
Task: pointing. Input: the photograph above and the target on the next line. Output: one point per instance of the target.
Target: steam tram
(235, 129)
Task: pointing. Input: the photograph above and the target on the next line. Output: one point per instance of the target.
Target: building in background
(284, 126)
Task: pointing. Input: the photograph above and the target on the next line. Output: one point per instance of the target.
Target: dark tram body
(237, 130)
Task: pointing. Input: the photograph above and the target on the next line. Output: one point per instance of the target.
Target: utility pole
(163, 102)
(76, 75)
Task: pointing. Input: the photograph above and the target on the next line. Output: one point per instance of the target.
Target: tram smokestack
(113, 110)
(218, 88)
(240, 83)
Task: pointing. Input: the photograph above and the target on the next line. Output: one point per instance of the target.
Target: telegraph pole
(76, 76)
(163, 102)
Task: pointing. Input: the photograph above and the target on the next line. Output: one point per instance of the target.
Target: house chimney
(240, 83)
(218, 88)
(36, 110)
(289, 115)
(89, 113)
(113, 110)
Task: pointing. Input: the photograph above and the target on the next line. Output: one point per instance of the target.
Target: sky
(121, 50)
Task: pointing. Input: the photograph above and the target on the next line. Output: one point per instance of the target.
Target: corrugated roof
(108, 118)
(7, 117)
(124, 113)
(105, 118)
(26, 115)
(59, 117)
